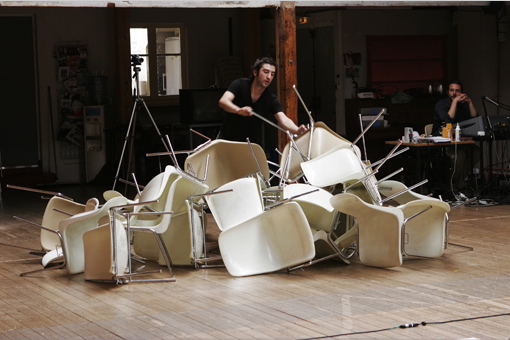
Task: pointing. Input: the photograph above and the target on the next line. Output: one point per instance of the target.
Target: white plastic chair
(228, 161)
(152, 214)
(253, 241)
(323, 140)
(333, 167)
(379, 230)
(183, 241)
(58, 209)
(426, 234)
(106, 259)
(277, 239)
(242, 202)
(322, 218)
(70, 232)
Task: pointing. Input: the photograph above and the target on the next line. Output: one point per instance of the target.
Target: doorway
(316, 74)
(19, 145)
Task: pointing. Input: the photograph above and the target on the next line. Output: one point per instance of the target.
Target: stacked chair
(328, 205)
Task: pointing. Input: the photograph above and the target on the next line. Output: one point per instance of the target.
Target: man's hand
(463, 98)
(245, 111)
(302, 129)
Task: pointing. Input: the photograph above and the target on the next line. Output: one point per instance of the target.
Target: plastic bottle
(457, 133)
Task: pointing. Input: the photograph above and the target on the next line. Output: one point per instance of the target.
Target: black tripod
(136, 61)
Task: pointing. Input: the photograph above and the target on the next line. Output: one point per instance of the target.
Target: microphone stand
(490, 131)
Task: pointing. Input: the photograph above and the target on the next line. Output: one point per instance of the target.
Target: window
(161, 61)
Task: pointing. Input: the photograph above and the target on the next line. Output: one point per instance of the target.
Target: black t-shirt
(238, 128)
(441, 114)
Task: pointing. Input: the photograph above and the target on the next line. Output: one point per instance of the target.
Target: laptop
(471, 127)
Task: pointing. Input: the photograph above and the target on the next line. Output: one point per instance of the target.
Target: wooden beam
(125, 101)
(285, 20)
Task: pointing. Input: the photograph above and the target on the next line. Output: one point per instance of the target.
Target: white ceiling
(232, 4)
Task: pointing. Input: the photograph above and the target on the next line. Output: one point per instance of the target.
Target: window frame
(152, 58)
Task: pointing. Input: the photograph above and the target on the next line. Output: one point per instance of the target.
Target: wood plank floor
(464, 294)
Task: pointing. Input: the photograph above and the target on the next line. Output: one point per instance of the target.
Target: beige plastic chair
(253, 240)
(321, 217)
(277, 239)
(228, 161)
(336, 166)
(379, 230)
(152, 214)
(73, 228)
(239, 201)
(323, 140)
(70, 232)
(58, 209)
(106, 259)
(428, 129)
(426, 234)
(183, 238)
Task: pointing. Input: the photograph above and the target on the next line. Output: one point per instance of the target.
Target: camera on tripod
(136, 60)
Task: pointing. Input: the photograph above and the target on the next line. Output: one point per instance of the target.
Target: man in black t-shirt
(456, 108)
(247, 95)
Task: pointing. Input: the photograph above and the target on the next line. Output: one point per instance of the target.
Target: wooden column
(125, 100)
(285, 19)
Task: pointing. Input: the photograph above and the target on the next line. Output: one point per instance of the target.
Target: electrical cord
(408, 325)
(457, 197)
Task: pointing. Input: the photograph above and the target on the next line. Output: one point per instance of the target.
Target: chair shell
(336, 166)
(58, 209)
(73, 228)
(321, 216)
(379, 230)
(228, 161)
(277, 239)
(242, 203)
(323, 140)
(103, 261)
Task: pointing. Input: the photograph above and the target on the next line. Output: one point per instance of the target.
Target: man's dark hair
(261, 61)
(456, 82)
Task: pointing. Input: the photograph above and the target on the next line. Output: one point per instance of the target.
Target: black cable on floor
(407, 325)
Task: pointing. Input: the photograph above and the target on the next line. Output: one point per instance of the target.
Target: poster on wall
(72, 84)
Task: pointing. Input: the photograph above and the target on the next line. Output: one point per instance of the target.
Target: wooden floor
(464, 294)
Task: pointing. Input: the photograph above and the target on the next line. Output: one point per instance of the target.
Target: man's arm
(288, 124)
(227, 103)
(463, 98)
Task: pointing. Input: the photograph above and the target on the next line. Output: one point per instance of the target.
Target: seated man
(456, 108)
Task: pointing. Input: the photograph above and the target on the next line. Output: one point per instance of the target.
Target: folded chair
(253, 240)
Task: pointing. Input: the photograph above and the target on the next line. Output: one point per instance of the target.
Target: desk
(418, 149)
